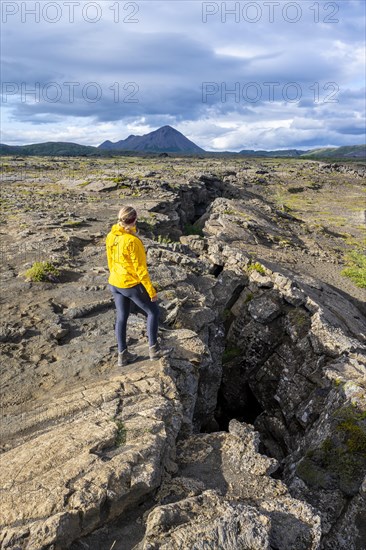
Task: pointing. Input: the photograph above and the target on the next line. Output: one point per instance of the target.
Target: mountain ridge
(169, 140)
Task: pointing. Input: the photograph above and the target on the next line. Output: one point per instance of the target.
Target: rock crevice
(250, 435)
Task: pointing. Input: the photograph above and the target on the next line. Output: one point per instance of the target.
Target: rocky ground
(252, 434)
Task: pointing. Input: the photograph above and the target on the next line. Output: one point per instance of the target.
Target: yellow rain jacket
(127, 260)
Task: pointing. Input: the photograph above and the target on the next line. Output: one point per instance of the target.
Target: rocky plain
(252, 434)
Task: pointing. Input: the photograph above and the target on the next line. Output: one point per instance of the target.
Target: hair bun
(127, 215)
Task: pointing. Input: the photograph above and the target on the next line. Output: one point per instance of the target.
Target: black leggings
(138, 295)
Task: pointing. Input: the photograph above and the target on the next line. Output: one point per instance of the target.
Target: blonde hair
(127, 217)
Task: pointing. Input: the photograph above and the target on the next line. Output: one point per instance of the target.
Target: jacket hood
(118, 230)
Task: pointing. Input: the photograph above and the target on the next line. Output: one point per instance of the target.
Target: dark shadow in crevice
(216, 270)
(235, 295)
(124, 532)
(246, 412)
(74, 332)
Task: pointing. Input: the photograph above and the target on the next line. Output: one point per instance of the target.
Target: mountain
(165, 139)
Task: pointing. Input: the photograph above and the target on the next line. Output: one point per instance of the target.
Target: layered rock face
(250, 435)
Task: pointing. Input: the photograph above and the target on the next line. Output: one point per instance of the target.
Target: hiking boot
(156, 352)
(125, 357)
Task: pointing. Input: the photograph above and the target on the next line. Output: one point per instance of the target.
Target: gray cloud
(291, 67)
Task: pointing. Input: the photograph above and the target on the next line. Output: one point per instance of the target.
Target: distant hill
(164, 140)
(50, 148)
(345, 152)
(339, 153)
(277, 153)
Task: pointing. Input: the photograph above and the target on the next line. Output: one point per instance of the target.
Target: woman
(129, 280)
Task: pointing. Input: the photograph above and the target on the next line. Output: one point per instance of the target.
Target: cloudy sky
(229, 75)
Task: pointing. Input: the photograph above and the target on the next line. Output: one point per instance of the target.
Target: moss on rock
(342, 456)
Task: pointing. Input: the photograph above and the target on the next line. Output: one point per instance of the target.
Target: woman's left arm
(108, 246)
(138, 259)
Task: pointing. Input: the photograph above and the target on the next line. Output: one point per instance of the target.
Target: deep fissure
(248, 408)
(239, 398)
(244, 412)
(194, 205)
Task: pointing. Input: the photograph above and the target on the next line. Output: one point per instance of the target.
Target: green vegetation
(348, 466)
(341, 459)
(227, 314)
(121, 434)
(299, 318)
(42, 271)
(281, 199)
(355, 436)
(249, 297)
(334, 153)
(190, 229)
(119, 179)
(282, 242)
(338, 221)
(164, 240)
(231, 353)
(256, 267)
(356, 270)
(72, 223)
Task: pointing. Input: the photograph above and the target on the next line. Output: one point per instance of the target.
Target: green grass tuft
(256, 267)
(356, 270)
(161, 239)
(121, 435)
(42, 271)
